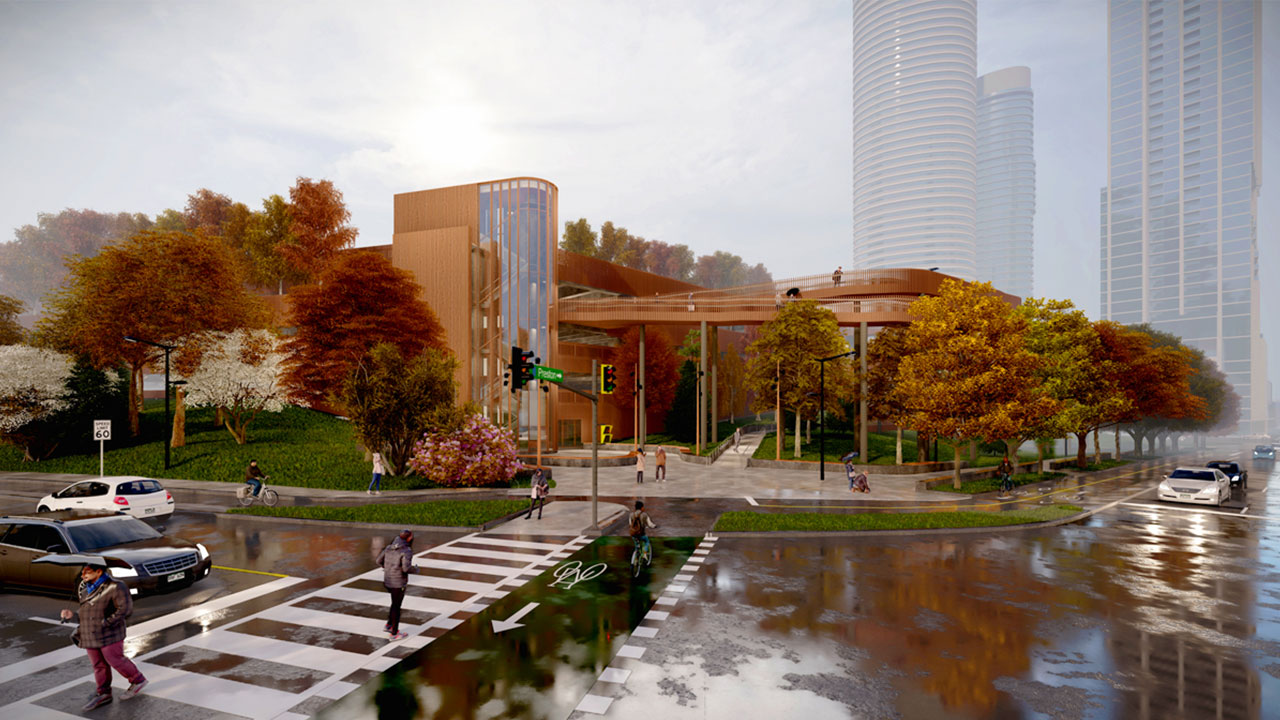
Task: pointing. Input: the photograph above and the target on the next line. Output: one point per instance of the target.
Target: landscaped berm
(296, 447)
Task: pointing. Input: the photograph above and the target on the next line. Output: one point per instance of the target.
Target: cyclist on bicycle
(640, 521)
(1006, 476)
(253, 476)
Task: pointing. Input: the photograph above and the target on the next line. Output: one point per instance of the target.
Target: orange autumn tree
(318, 228)
(661, 371)
(159, 286)
(967, 372)
(358, 301)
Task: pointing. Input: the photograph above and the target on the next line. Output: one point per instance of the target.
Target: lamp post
(167, 349)
(822, 411)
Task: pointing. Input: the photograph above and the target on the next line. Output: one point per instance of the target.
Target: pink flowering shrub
(478, 454)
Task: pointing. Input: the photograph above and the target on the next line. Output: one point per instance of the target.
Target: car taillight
(168, 497)
(120, 501)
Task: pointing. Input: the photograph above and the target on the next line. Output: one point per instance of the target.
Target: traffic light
(608, 379)
(521, 369)
(606, 434)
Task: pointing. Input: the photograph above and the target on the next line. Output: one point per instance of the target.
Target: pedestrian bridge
(874, 297)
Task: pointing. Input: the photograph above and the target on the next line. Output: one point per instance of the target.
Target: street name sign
(548, 373)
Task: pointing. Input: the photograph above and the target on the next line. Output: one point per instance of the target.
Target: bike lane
(537, 652)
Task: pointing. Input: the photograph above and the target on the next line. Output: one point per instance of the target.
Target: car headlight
(204, 553)
(123, 572)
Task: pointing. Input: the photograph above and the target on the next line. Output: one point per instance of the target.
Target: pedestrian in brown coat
(105, 605)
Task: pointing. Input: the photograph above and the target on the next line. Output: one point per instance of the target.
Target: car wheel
(43, 508)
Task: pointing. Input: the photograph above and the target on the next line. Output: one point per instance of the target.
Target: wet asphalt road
(1147, 610)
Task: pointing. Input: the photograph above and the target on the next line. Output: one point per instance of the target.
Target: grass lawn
(803, 522)
(880, 446)
(973, 487)
(296, 447)
(443, 513)
(724, 427)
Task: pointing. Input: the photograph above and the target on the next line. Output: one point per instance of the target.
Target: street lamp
(822, 410)
(167, 349)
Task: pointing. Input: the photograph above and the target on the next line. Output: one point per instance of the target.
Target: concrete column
(702, 385)
(642, 431)
(862, 403)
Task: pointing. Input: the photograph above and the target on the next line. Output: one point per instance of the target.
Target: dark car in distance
(135, 553)
(1264, 452)
(1238, 476)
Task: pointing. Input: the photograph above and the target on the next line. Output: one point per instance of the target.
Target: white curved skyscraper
(915, 134)
(1006, 180)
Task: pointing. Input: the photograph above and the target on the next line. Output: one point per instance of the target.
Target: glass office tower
(1179, 213)
(1006, 180)
(914, 134)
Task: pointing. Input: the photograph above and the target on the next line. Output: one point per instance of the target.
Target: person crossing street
(105, 606)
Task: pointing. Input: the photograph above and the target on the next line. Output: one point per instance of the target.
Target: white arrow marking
(510, 623)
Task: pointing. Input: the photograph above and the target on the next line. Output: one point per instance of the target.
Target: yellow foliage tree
(966, 371)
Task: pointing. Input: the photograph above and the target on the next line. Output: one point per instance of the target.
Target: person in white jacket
(375, 485)
(640, 465)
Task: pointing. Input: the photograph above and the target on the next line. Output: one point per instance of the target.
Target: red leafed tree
(207, 210)
(319, 228)
(1155, 379)
(661, 372)
(359, 300)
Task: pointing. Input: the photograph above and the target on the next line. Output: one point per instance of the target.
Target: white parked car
(137, 496)
(1205, 486)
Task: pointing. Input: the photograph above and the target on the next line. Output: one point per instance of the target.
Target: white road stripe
(1244, 510)
(504, 542)
(752, 501)
(383, 599)
(331, 621)
(1168, 508)
(228, 696)
(444, 583)
(27, 711)
(489, 554)
(469, 567)
(280, 651)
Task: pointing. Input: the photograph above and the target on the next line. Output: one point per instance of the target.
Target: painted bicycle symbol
(571, 573)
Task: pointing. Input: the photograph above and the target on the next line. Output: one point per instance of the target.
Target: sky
(720, 125)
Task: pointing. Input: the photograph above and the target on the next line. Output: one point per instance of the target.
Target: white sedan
(1205, 486)
(137, 496)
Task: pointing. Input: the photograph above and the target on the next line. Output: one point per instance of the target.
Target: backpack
(637, 524)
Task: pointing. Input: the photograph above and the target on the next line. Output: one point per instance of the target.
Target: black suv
(1239, 477)
(135, 553)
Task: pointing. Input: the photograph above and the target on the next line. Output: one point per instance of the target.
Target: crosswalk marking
(371, 597)
(276, 650)
(350, 608)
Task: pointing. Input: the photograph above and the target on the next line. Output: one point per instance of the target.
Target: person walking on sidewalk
(539, 489)
(105, 605)
(375, 485)
(737, 440)
(640, 465)
(396, 561)
(660, 464)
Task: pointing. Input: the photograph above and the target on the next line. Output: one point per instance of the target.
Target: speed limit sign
(101, 429)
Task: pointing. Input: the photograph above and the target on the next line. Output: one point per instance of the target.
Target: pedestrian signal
(606, 434)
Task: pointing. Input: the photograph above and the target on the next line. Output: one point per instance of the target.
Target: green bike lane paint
(538, 652)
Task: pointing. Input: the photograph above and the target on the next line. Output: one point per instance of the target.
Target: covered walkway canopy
(874, 297)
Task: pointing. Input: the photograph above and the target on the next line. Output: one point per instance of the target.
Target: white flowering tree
(33, 386)
(239, 373)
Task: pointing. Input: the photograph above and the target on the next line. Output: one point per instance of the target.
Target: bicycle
(643, 550)
(246, 497)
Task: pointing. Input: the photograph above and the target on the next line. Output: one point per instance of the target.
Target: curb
(349, 523)
(917, 531)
